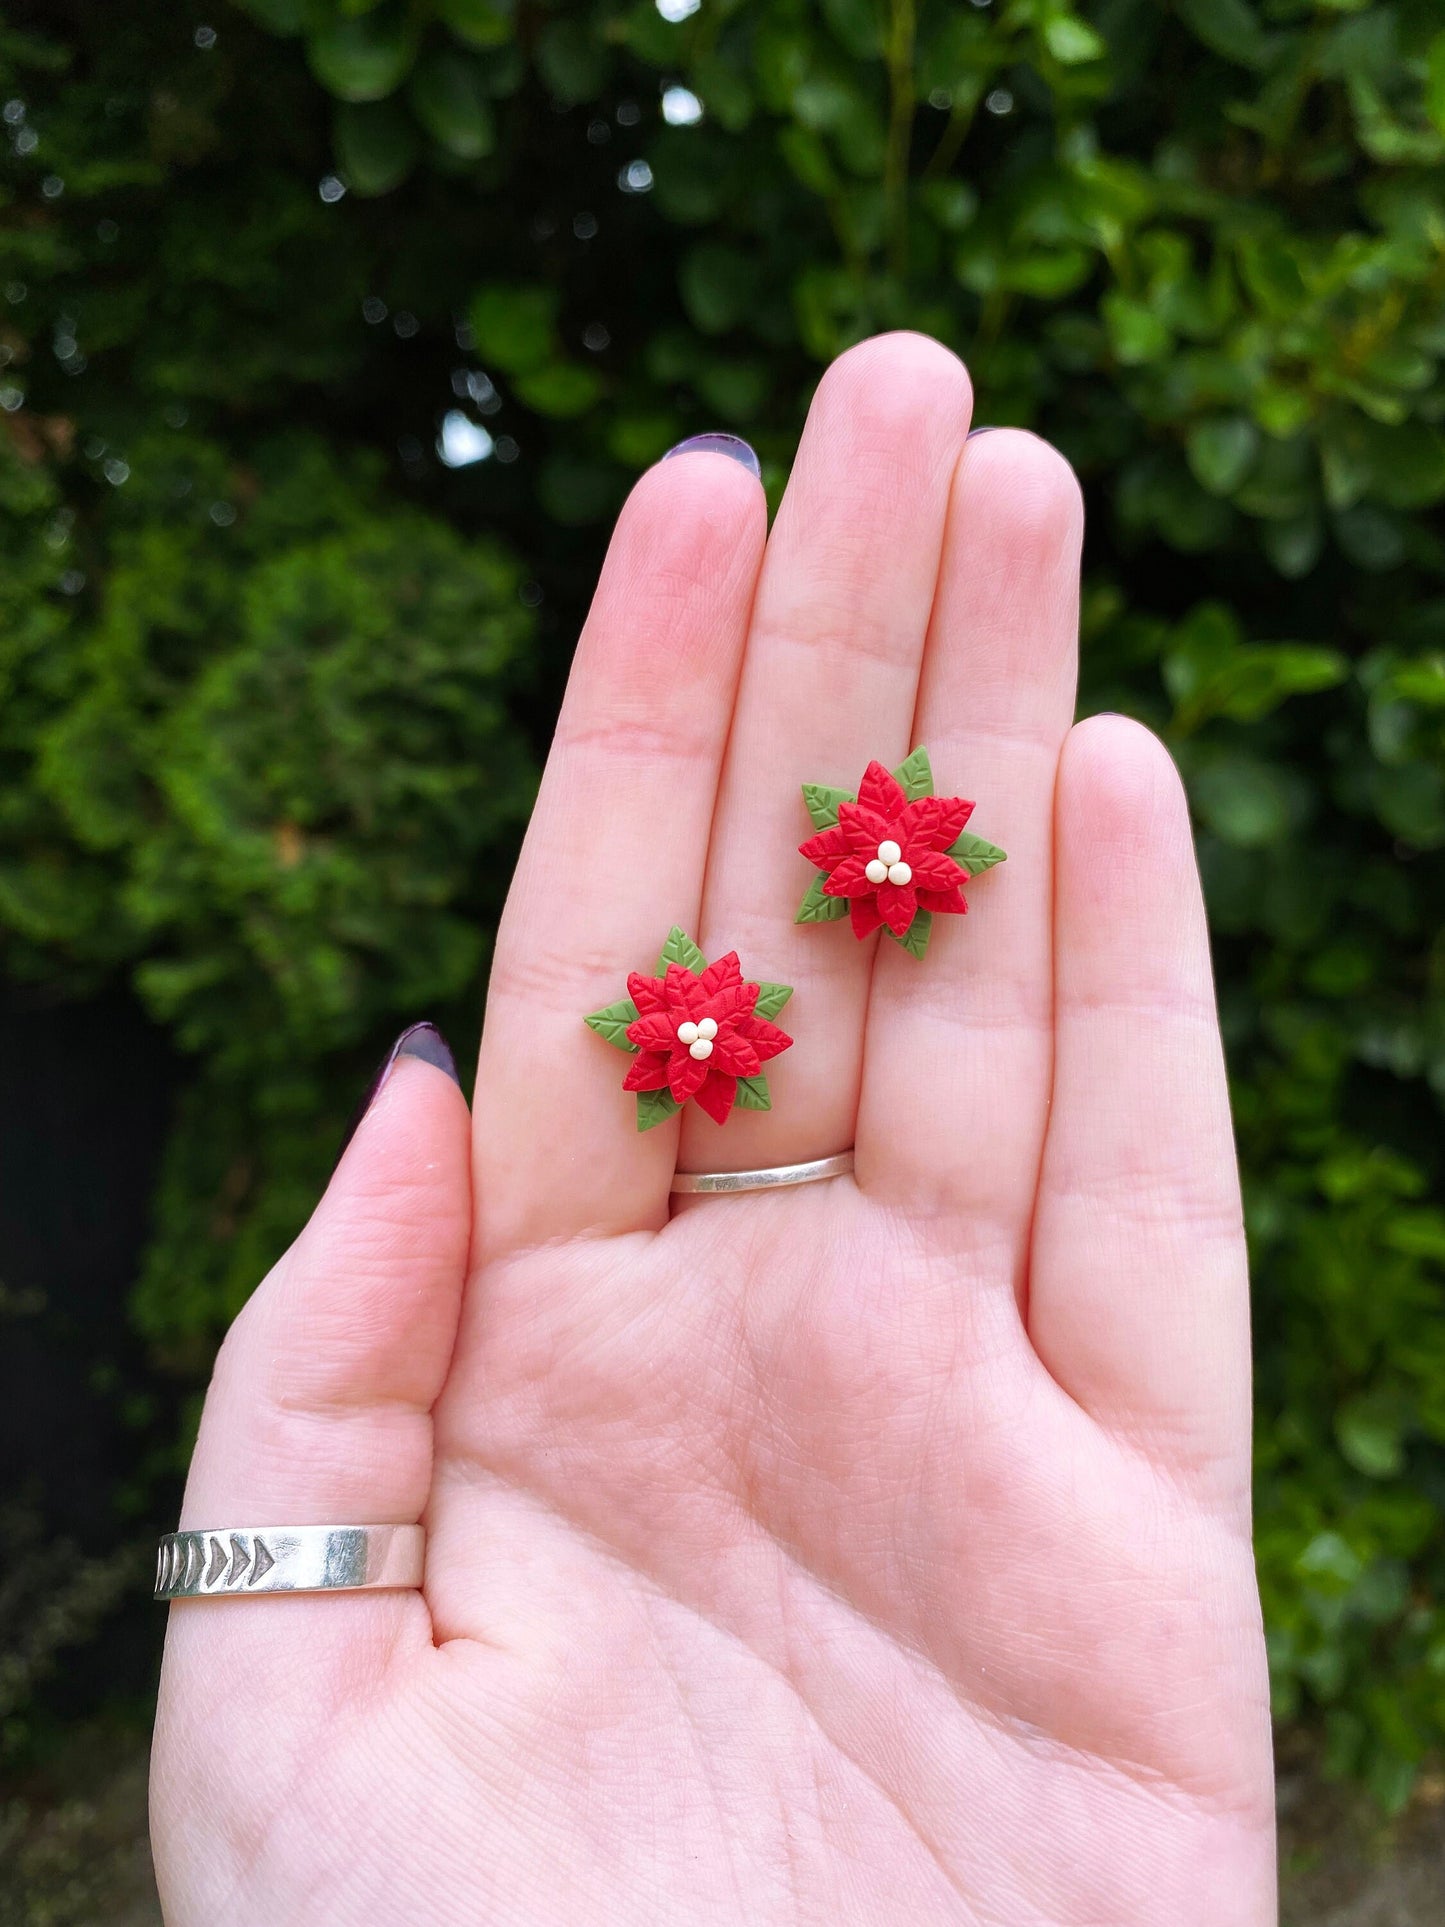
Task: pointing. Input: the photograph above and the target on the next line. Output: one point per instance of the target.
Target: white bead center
(888, 866)
(698, 1037)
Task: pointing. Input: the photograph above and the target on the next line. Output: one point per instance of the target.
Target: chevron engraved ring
(235, 1562)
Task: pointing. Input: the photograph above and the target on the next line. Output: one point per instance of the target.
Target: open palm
(873, 1551)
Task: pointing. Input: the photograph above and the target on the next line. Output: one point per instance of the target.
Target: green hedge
(269, 668)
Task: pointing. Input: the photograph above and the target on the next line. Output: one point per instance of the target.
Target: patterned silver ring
(236, 1562)
(775, 1178)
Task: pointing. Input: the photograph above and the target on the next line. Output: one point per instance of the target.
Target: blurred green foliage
(270, 657)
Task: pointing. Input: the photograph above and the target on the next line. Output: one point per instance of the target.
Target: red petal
(932, 822)
(717, 1095)
(736, 1000)
(766, 1038)
(932, 870)
(824, 848)
(646, 993)
(647, 1073)
(947, 902)
(683, 993)
(865, 829)
(880, 790)
(850, 878)
(865, 914)
(654, 1033)
(727, 970)
(897, 906)
(685, 1074)
(735, 1054)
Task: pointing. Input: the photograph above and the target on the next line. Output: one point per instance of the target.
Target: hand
(866, 1552)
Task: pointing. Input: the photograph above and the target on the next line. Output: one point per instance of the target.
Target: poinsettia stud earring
(697, 1030)
(895, 854)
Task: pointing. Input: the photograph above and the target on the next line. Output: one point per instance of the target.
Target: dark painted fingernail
(986, 429)
(421, 1040)
(733, 445)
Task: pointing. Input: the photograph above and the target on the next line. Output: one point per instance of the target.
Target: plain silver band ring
(776, 1178)
(238, 1562)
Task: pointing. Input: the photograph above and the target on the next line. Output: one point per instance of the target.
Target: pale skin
(877, 1551)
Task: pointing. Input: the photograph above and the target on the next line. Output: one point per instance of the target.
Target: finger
(829, 683)
(319, 1410)
(319, 1413)
(960, 1043)
(1139, 1294)
(614, 857)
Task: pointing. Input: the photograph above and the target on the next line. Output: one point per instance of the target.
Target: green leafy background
(274, 676)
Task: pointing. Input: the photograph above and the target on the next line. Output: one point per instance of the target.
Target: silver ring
(775, 1178)
(233, 1562)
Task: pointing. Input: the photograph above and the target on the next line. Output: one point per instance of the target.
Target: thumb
(319, 1409)
(319, 1413)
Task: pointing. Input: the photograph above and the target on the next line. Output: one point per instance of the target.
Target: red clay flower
(699, 1031)
(888, 856)
(896, 855)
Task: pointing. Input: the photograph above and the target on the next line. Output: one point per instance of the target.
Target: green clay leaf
(915, 938)
(822, 803)
(916, 775)
(975, 854)
(753, 1093)
(771, 998)
(612, 1023)
(655, 1107)
(816, 908)
(680, 949)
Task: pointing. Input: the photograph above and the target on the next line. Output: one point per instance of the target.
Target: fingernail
(421, 1040)
(986, 429)
(733, 445)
